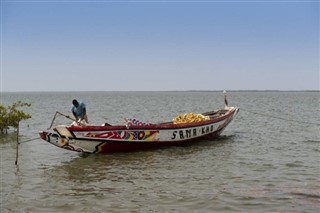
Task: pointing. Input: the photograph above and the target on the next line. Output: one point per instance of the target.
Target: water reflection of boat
(140, 136)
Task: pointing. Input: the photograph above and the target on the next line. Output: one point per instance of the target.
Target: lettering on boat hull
(189, 133)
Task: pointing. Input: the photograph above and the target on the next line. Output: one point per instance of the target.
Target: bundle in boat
(189, 118)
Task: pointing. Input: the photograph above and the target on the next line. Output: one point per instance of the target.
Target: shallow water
(260, 163)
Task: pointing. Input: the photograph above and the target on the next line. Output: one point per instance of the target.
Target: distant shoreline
(120, 91)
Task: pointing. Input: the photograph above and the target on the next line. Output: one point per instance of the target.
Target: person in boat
(79, 111)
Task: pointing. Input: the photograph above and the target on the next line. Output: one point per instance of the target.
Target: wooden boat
(124, 138)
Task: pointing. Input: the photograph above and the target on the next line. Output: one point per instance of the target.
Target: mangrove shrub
(10, 116)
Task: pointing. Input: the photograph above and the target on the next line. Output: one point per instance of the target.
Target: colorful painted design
(99, 148)
(133, 122)
(60, 142)
(143, 135)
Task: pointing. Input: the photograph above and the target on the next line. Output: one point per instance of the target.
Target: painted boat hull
(111, 139)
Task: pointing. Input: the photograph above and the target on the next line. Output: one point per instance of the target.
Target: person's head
(75, 102)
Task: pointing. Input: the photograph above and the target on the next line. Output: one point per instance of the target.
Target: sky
(156, 45)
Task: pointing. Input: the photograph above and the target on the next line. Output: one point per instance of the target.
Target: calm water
(259, 164)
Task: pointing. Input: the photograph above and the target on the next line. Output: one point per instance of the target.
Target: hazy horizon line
(238, 90)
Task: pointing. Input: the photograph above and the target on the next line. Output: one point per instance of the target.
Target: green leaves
(11, 116)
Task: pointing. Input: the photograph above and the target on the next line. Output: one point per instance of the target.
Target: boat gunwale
(162, 126)
(103, 140)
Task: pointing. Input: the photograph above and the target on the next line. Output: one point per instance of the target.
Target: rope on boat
(55, 116)
(280, 118)
(29, 140)
(66, 116)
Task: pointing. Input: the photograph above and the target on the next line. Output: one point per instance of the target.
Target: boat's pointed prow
(43, 135)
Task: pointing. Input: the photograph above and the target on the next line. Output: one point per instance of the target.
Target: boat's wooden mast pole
(225, 99)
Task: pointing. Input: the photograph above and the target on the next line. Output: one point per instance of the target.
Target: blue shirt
(79, 111)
